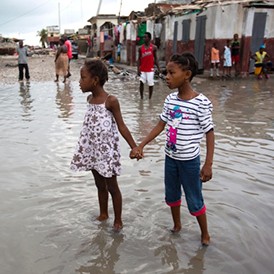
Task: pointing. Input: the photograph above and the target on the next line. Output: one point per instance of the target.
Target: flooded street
(47, 210)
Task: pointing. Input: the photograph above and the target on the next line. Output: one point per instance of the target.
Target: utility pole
(120, 12)
(100, 2)
(59, 19)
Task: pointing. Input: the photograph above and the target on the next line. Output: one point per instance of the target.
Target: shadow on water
(47, 210)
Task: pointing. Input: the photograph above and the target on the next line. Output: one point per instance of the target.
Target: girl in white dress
(227, 59)
(98, 148)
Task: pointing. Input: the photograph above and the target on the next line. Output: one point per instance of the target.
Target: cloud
(28, 16)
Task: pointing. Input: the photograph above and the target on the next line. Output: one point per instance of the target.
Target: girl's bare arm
(206, 172)
(114, 106)
(137, 152)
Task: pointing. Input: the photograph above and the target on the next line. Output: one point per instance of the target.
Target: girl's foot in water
(176, 229)
(102, 217)
(117, 226)
(205, 239)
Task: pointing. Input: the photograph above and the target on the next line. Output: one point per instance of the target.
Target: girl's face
(176, 75)
(86, 80)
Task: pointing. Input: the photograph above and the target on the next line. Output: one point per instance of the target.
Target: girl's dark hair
(186, 61)
(97, 68)
(62, 40)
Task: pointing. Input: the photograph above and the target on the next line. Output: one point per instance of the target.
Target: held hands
(206, 173)
(136, 152)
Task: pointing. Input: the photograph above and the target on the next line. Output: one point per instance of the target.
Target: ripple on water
(48, 211)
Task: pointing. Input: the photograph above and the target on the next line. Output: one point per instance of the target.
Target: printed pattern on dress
(98, 146)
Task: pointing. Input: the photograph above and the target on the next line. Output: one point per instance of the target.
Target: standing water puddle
(47, 211)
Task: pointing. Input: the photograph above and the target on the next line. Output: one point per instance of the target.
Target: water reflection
(103, 252)
(36, 178)
(169, 256)
(196, 263)
(64, 100)
(26, 102)
(242, 110)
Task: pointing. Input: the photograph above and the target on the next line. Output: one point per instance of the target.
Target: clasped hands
(136, 152)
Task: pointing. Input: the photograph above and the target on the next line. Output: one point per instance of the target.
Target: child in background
(261, 58)
(215, 59)
(187, 115)
(98, 148)
(227, 60)
(235, 54)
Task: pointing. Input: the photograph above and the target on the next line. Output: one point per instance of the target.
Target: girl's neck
(186, 92)
(98, 95)
(98, 92)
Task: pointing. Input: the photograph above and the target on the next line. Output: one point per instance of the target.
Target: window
(186, 31)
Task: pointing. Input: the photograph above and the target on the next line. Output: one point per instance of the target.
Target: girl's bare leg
(176, 215)
(57, 78)
(116, 195)
(205, 238)
(101, 185)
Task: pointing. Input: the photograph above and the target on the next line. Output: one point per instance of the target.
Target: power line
(24, 13)
(67, 6)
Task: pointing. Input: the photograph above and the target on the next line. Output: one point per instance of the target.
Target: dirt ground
(41, 68)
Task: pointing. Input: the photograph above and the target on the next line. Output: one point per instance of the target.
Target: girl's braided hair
(187, 61)
(97, 68)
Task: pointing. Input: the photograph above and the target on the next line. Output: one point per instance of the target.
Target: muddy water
(47, 211)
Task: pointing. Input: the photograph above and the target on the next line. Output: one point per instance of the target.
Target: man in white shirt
(22, 61)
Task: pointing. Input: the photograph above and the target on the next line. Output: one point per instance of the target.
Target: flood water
(47, 210)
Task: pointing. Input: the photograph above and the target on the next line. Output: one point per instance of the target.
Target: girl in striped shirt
(186, 116)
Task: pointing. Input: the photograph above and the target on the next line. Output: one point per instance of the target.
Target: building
(196, 25)
(102, 26)
(53, 33)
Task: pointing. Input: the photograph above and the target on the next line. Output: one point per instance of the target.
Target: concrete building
(197, 30)
(53, 33)
(195, 25)
(101, 25)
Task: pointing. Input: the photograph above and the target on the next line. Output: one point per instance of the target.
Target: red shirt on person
(147, 59)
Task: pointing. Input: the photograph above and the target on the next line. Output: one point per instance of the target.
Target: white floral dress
(98, 146)
(227, 56)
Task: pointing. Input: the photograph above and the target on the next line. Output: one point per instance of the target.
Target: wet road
(47, 211)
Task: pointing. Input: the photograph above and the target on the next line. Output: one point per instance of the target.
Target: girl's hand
(206, 173)
(136, 152)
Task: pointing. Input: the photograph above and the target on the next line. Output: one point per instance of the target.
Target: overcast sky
(23, 18)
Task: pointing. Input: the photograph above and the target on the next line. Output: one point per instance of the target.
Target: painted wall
(221, 24)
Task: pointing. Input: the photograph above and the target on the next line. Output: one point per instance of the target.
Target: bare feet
(205, 239)
(102, 218)
(55, 81)
(117, 226)
(176, 229)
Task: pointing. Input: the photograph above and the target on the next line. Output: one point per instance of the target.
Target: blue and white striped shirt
(187, 121)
